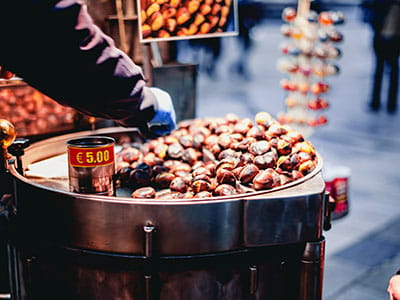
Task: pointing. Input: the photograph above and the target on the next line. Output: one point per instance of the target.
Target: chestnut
(121, 165)
(152, 8)
(192, 6)
(174, 3)
(163, 180)
(259, 148)
(211, 140)
(170, 24)
(307, 167)
(225, 190)
(139, 178)
(186, 141)
(169, 140)
(123, 174)
(208, 156)
(203, 194)
(178, 184)
(144, 192)
(225, 176)
(156, 21)
(170, 196)
(236, 171)
(181, 166)
(130, 154)
(200, 185)
(305, 146)
(276, 129)
(256, 132)
(158, 169)
(228, 153)
(242, 189)
(151, 159)
(288, 163)
(146, 30)
(223, 129)
(297, 175)
(182, 15)
(169, 13)
(199, 19)
(198, 140)
(246, 158)
(205, 27)
(284, 147)
(200, 171)
(201, 177)
(225, 11)
(224, 140)
(248, 173)
(228, 163)
(263, 180)
(266, 179)
(188, 195)
(175, 150)
(303, 156)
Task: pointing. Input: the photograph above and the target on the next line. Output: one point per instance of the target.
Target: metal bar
(29, 270)
(14, 273)
(253, 279)
(147, 279)
(148, 250)
(312, 271)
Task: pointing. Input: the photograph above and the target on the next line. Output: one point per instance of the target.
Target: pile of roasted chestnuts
(216, 157)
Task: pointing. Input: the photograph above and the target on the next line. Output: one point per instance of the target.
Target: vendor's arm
(55, 47)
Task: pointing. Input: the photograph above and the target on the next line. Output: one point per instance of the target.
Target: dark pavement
(363, 248)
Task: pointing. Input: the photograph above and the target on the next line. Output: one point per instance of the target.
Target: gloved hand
(164, 121)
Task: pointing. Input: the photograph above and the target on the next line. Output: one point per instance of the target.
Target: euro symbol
(79, 157)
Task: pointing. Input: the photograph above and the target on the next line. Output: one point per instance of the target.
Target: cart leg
(312, 270)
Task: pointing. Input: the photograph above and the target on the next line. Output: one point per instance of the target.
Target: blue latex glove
(164, 121)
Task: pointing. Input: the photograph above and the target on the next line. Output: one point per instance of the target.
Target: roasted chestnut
(163, 180)
(266, 179)
(200, 185)
(248, 173)
(225, 190)
(259, 148)
(225, 176)
(144, 192)
(267, 160)
(178, 184)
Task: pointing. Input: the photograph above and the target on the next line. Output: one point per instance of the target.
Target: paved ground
(363, 248)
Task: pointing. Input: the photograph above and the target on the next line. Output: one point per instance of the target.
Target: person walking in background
(384, 18)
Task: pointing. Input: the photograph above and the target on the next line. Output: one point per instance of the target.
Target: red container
(337, 184)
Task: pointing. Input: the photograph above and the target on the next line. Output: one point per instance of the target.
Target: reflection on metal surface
(288, 214)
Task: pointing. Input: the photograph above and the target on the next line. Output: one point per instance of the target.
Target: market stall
(259, 244)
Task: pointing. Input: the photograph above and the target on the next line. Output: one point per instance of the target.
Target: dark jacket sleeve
(55, 47)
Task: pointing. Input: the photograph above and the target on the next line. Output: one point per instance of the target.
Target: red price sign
(91, 157)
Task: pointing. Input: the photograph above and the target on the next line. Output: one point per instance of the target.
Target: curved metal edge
(113, 130)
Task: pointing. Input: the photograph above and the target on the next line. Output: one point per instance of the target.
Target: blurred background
(363, 247)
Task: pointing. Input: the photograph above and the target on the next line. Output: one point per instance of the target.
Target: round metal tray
(287, 214)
